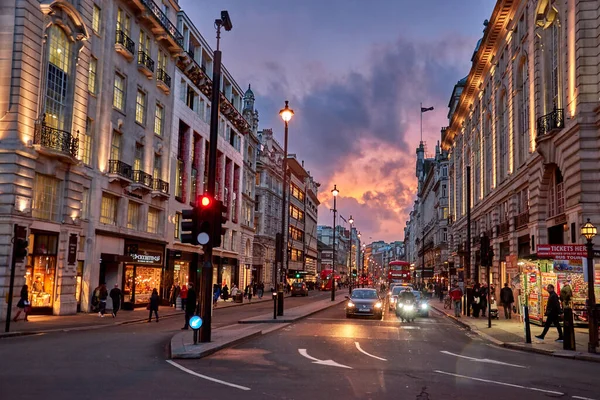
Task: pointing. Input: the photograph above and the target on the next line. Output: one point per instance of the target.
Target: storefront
(181, 270)
(142, 272)
(225, 271)
(40, 272)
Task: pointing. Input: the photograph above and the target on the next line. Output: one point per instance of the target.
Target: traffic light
(485, 251)
(219, 219)
(197, 223)
(20, 249)
(297, 275)
(354, 272)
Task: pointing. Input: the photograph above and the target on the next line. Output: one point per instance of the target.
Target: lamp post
(589, 231)
(357, 258)
(286, 114)
(335, 192)
(351, 222)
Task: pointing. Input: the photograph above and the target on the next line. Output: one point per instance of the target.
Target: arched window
(58, 83)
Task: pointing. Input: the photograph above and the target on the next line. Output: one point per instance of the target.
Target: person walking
(456, 295)
(552, 314)
(476, 300)
(102, 296)
(483, 304)
(153, 305)
(507, 299)
(249, 293)
(225, 293)
(116, 295)
(184, 294)
(261, 290)
(23, 305)
(172, 298)
(190, 306)
(216, 293)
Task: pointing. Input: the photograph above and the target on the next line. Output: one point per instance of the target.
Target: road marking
(364, 352)
(483, 360)
(582, 398)
(330, 363)
(208, 378)
(500, 383)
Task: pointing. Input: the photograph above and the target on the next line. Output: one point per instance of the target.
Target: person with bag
(456, 295)
(23, 305)
(507, 298)
(153, 305)
(102, 296)
(553, 312)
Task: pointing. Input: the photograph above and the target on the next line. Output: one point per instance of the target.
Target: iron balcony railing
(56, 139)
(522, 220)
(120, 168)
(164, 21)
(145, 60)
(160, 186)
(142, 178)
(502, 228)
(125, 41)
(549, 122)
(162, 76)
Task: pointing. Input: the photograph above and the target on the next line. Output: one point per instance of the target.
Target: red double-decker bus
(326, 279)
(399, 272)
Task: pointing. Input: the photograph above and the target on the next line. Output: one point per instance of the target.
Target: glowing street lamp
(589, 231)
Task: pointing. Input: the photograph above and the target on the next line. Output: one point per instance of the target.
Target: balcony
(124, 45)
(161, 26)
(503, 228)
(141, 180)
(55, 142)
(163, 81)
(549, 123)
(160, 188)
(120, 171)
(521, 220)
(145, 64)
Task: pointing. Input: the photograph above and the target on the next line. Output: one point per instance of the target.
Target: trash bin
(238, 298)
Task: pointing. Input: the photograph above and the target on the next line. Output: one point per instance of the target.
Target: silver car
(364, 302)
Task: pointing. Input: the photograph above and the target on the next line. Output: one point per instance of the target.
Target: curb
(283, 320)
(519, 347)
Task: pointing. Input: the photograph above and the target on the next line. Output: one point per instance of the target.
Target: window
(59, 66)
(523, 104)
(138, 161)
(85, 204)
(296, 213)
(133, 215)
(153, 214)
(554, 74)
(296, 234)
(444, 191)
(144, 43)
(85, 142)
(123, 22)
(115, 146)
(96, 18)
(297, 255)
(46, 200)
(296, 192)
(157, 170)
(92, 75)
(108, 209)
(177, 225)
(119, 93)
(162, 60)
(191, 96)
(140, 107)
(159, 116)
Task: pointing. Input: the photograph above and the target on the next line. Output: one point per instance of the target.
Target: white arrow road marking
(500, 383)
(582, 398)
(483, 360)
(364, 352)
(330, 363)
(208, 378)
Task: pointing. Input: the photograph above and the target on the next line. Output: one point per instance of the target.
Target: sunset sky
(354, 72)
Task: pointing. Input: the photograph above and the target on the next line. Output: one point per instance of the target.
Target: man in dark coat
(190, 305)
(552, 314)
(116, 295)
(507, 299)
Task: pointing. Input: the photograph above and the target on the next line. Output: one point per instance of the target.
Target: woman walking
(153, 305)
(23, 304)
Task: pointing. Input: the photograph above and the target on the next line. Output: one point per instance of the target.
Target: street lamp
(589, 232)
(286, 114)
(334, 192)
(351, 222)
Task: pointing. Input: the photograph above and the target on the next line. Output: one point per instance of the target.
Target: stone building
(526, 123)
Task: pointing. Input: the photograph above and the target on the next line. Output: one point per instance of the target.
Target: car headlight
(409, 307)
(378, 304)
(424, 306)
(400, 305)
(390, 293)
(350, 304)
(393, 299)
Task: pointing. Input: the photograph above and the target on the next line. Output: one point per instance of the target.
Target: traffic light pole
(206, 291)
(13, 267)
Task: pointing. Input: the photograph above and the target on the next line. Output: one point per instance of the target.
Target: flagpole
(421, 109)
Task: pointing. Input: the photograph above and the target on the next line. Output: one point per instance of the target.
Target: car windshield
(397, 290)
(364, 294)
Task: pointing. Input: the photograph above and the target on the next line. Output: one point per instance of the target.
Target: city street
(324, 356)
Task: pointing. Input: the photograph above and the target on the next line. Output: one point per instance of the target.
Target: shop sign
(72, 255)
(512, 266)
(151, 258)
(573, 266)
(561, 252)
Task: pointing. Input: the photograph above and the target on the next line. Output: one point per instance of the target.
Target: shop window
(108, 209)
(181, 273)
(153, 215)
(139, 282)
(133, 215)
(78, 283)
(46, 201)
(40, 273)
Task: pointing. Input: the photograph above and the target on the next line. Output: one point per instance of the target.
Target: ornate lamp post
(335, 192)
(589, 231)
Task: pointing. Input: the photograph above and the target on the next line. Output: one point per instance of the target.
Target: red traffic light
(205, 201)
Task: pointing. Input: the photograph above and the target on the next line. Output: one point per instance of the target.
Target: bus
(399, 272)
(326, 279)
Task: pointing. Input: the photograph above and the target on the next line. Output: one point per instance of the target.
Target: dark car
(364, 302)
(422, 307)
(299, 289)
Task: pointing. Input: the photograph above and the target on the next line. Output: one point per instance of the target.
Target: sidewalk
(510, 334)
(87, 321)
(182, 344)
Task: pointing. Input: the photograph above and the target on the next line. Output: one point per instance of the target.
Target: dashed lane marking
(582, 398)
(208, 378)
(364, 352)
(500, 383)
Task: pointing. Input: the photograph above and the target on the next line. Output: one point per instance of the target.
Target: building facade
(525, 126)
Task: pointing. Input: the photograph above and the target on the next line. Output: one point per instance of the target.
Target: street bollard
(526, 324)
(569, 327)
(280, 300)
(195, 324)
(274, 305)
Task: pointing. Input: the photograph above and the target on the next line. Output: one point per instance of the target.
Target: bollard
(526, 324)
(274, 305)
(280, 301)
(569, 328)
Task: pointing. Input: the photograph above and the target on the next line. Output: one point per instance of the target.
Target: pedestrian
(102, 296)
(261, 290)
(216, 293)
(249, 293)
(172, 298)
(225, 293)
(153, 305)
(184, 294)
(23, 305)
(190, 307)
(507, 299)
(553, 311)
(116, 295)
(456, 295)
(483, 303)
(476, 300)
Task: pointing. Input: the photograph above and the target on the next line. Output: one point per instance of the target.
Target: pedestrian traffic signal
(219, 220)
(197, 223)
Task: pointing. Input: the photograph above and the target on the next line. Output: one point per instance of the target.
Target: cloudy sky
(354, 72)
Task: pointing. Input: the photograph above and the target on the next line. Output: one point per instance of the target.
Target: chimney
(302, 163)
